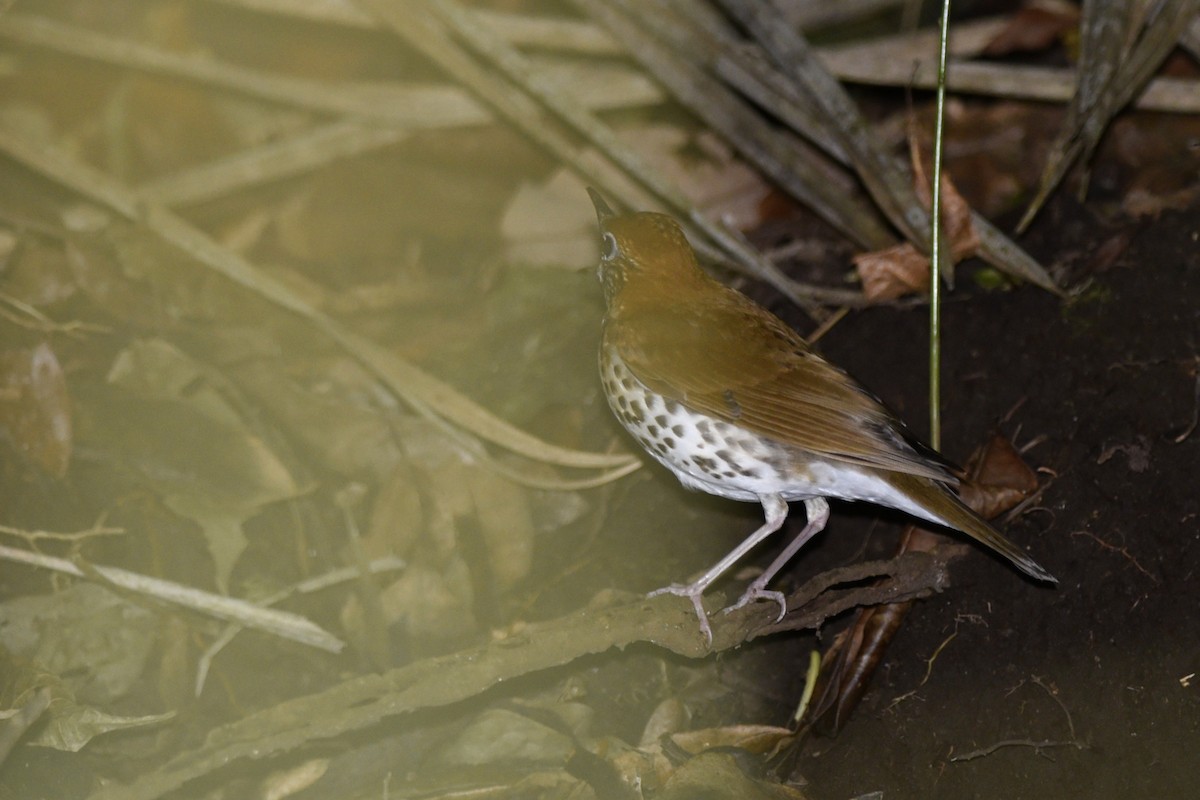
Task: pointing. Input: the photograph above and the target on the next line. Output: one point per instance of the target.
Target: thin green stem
(935, 250)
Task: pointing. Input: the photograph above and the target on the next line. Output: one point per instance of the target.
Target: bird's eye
(608, 247)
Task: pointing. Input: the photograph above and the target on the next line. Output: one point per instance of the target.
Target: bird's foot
(758, 592)
(694, 593)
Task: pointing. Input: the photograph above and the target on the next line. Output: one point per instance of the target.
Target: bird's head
(642, 254)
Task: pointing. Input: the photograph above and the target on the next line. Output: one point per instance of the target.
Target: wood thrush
(735, 403)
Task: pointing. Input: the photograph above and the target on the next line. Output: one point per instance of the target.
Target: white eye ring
(608, 247)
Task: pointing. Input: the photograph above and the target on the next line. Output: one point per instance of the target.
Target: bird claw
(693, 593)
(756, 593)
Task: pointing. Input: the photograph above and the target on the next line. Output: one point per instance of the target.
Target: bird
(735, 403)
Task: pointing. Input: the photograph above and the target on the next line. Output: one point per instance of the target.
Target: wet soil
(1100, 671)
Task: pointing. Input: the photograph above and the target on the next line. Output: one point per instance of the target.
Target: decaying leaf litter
(170, 281)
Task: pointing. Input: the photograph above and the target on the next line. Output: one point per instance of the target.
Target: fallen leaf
(957, 225)
(892, 273)
(1033, 28)
(1000, 478)
(191, 447)
(35, 407)
(96, 642)
(751, 738)
(717, 776)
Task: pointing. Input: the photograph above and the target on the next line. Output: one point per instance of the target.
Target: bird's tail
(949, 510)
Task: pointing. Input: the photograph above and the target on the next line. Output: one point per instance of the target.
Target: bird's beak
(603, 211)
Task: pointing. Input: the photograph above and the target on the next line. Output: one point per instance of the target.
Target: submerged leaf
(63, 723)
(96, 641)
(73, 727)
(35, 408)
(187, 443)
(717, 776)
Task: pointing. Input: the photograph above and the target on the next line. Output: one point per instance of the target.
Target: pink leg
(817, 510)
(775, 508)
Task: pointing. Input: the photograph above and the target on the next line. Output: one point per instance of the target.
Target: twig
(27, 316)
(314, 584)
(280, 623)
(928, 669)
(1123, 551)
(826, 326)
(1190, 429)
(56, 536)
(1054, 696)
(1035, 744)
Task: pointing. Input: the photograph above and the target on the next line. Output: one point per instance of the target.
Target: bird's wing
(738, 363)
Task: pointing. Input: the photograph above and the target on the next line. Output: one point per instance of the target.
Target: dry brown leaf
(892, 273)
(1000, 478)
(956, 212)
(902, 269)
(1034, 28)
